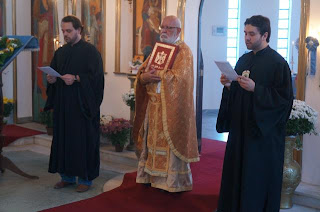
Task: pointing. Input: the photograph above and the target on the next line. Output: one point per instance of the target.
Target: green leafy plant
(46, 117)
(302, 120)
(117, 131)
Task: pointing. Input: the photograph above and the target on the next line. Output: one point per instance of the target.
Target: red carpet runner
(14, 132)
(137, 197)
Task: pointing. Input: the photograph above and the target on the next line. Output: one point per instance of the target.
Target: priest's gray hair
(175, 20)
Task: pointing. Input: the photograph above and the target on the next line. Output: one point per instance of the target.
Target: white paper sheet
(50, 71)
(227, 70)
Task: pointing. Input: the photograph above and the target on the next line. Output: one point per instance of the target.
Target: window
(284, 28)
(233, 32)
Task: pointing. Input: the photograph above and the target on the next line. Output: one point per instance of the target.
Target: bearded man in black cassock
(254, 110)
(75, 98)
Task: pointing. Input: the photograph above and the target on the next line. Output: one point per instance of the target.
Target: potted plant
(117, 131)
(46, 118)
(129, 99)
(7, 108)
(302, 120)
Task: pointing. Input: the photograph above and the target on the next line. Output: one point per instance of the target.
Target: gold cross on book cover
(162, 56)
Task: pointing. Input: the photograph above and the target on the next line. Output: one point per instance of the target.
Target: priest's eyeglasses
(167, 28)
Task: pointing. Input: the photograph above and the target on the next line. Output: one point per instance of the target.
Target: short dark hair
(262, 23)
(76, 23)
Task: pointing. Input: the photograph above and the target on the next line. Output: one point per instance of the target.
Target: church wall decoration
(92, 15)
(45, 27)
(2, 17)
(147, 17)
(93, 20)
(70, 7)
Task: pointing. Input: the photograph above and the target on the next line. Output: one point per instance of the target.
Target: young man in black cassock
(75, 98)
(254, 110)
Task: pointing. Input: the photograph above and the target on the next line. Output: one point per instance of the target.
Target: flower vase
(119, 147)
(291, 174)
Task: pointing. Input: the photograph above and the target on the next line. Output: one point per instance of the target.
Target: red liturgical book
(162, 56)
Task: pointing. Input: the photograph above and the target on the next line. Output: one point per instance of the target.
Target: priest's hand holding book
(150, 77)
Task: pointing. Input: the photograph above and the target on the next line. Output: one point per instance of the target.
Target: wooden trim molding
(118, 36)
(302, 60)
(181, 9)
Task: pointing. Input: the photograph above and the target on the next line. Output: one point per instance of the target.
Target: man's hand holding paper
(227, 70)
(225, 81)
(50, 71)
(246, 83)
(51, 79)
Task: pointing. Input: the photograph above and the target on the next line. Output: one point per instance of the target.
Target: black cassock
(75, 144)
(253, 163)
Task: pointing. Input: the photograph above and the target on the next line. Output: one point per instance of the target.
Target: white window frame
(284, 51)
(233, 5)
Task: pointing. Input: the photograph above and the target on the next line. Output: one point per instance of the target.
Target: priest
(164, 127)
(75, 98)
(254, 110)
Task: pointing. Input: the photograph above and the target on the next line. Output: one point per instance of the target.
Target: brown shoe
(82, 188)
(62, 184)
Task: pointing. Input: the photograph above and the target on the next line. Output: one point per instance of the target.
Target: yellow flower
(6, 100)
(11, 49)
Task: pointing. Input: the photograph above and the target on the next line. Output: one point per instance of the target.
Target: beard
(253, 46)
(70, 40)
(167, 39)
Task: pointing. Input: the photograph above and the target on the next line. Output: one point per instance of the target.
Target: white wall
(24, 70)
(311, 143)
(214, 13)
(191, 34)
